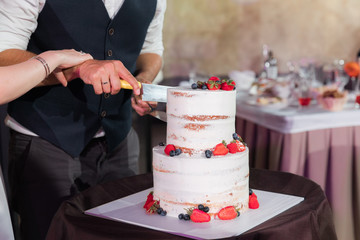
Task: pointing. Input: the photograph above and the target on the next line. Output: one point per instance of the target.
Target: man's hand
(105, 75)
(141, 107)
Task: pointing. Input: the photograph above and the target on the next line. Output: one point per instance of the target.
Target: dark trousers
(42, 176)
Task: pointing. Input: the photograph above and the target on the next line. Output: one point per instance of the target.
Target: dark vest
(69, 117)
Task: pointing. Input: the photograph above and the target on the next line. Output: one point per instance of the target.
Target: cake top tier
(199, 119)
(201, 102)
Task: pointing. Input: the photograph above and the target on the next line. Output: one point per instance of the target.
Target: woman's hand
(65, 59)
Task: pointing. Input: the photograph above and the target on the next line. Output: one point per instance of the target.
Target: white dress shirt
(18, 20)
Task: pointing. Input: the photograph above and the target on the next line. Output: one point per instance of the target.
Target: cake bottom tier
(183, 182)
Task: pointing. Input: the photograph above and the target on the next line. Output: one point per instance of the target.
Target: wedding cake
(204, 162)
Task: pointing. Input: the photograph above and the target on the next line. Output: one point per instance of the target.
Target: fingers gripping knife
(151, 93)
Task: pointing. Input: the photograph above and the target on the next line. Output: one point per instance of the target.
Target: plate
(130, 210)
(278, 105)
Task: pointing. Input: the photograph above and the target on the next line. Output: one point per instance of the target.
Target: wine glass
(341, 79)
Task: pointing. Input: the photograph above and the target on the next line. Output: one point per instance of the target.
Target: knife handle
(124, 84)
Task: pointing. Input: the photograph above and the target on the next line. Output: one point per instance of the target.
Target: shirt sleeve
(18, 20)
(153, 41)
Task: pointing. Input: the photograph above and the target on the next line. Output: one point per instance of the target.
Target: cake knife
(149, 92)
(161, 115)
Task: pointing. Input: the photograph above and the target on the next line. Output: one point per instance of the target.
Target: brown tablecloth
(311, 219)
(329, 157)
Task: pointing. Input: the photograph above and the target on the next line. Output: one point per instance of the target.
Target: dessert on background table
(332, 99)
(269, 92)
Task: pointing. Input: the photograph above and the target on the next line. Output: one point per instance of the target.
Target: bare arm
(150, 61)
(15, 56)
(94, 72)
(19, 78)
(148, 66)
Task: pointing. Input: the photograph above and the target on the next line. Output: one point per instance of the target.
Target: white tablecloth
(320, 145)
(291, 119)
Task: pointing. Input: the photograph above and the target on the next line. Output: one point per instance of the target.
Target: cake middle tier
(198, 120)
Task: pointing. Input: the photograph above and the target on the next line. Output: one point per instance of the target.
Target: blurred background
(214, 37)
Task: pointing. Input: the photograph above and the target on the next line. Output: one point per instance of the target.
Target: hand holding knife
(150, 93)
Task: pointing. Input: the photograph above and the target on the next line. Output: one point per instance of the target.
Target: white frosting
(182, 182)
(200, 119)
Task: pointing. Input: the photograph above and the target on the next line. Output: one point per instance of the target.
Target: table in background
(311, 219)
(321, 145)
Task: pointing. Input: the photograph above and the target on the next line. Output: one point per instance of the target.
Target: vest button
(109, 53)
(103, 113)
(106, 95)
(111, 31)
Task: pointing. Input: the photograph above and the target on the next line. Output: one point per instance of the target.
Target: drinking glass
(357, 94)
(341, 79)
(304, 94)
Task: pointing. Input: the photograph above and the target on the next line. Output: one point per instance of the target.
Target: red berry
(253, 202)
(212, 85)
(213, 78)
(149, 204)
(220, 149)
(253, 195)
(168, 148)
(240, 146)
(152, 206)
(227, 85)
(233, 148)
(227, 213)
(199, 216)
(150, 198)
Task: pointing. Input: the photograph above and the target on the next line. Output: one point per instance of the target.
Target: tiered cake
(198, 120)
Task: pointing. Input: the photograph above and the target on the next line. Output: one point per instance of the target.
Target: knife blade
(150, 92)
(159, 115)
